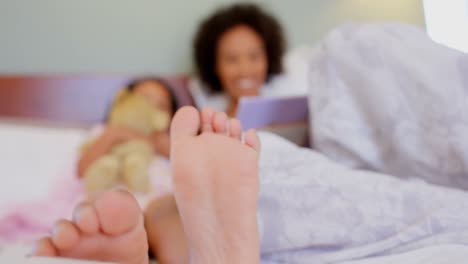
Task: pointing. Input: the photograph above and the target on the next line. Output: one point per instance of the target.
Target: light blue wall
(142, 36)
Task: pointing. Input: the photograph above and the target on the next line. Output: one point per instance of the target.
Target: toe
(86, 219)
(118, 212)
(65, 235)
(220, 123)
(235, 129)
(185, 123)
(44, 248)
(207, 115)
(252, 140)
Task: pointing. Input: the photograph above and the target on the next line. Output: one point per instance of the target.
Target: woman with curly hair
(238, 50)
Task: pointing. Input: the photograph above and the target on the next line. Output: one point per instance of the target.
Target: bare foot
(216, 189)
(215, 179)
(109, 229)
(166, 235)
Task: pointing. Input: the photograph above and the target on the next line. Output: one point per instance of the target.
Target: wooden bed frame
(72, 99)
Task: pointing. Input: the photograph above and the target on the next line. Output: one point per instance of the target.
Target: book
(259, 112)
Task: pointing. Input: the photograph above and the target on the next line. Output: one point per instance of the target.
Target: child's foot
(215, 179)
(109, 229)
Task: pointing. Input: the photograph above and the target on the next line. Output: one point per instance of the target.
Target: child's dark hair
(133, 84)
(210, 31)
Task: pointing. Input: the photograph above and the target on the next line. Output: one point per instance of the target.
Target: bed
(45, 118)
(53, 113)
(43, 121)
(42, 124)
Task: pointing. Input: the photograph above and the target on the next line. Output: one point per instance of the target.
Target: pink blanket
(27, 221)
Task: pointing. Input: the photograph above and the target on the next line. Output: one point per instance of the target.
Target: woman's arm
(104, 143)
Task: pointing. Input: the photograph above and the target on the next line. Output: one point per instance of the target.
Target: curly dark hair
(210, 31)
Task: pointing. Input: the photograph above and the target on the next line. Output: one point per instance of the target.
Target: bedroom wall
(309, 20)
(118, 36)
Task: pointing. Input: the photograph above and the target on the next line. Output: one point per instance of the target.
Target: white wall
(142, 36)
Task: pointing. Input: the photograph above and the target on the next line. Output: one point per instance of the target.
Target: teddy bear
(127, 163)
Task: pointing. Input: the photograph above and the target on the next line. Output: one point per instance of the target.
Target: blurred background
(117, 36)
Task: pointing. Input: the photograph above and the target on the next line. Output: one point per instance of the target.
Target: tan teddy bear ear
(118, 99)
(120, 96)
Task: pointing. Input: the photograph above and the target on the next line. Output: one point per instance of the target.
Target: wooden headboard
(68, 99)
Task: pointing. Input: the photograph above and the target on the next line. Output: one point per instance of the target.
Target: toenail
(53, 232)
(78, 211)
(123, 191)
(76, 214)
(228, 128)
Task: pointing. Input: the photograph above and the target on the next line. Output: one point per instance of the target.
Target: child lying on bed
(122, 150)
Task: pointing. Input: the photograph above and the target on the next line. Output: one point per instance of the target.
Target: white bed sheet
(32, 156)
(16, 254)
(453, 254)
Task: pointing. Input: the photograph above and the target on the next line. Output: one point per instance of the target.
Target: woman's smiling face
(241, 62)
